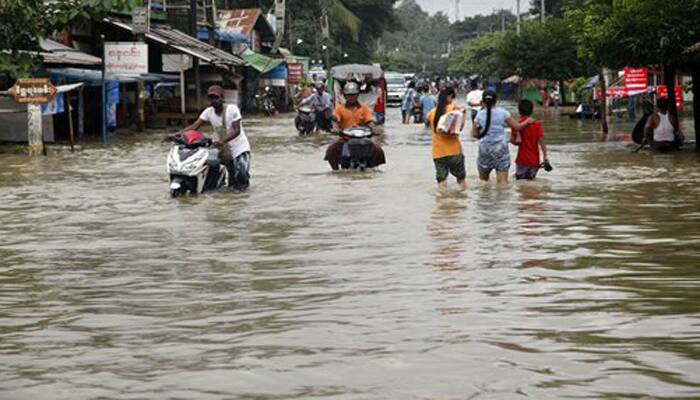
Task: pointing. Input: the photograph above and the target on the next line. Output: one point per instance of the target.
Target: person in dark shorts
(530, 140)
(447, 149)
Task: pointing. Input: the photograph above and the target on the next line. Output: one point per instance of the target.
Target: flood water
(584, 284)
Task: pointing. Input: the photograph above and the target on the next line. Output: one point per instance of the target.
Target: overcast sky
(470, 7)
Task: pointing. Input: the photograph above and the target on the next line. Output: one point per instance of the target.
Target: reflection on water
(582, 284)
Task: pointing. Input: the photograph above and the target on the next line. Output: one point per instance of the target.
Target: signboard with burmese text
(33, 91)
(129, 58)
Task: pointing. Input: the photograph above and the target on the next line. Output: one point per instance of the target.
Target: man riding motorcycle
(323, 107)
(348, 115)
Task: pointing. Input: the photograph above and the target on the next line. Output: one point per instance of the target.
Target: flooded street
(313, 284)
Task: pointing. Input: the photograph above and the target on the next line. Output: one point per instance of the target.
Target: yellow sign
(33, 90)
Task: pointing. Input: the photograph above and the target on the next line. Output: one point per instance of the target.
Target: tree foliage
(545, 51)
(618, 33)
(424, 42)
(472, 27)
(480, 56)
(355, 25)
(552, 8)
(24, 22)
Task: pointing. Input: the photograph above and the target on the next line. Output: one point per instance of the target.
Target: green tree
(420, 44)
(24, 22)
(545, 51)
(472, 27)
(355, 25)
(552, 8)
(619, 33)
(480, 56)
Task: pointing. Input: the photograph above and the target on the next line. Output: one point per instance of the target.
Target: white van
(395, 88)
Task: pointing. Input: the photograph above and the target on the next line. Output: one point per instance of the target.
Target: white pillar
(518, 15)
(35, 133)
(542, 10)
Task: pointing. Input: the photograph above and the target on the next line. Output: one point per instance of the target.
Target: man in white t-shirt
(227, 130)
(474, 99)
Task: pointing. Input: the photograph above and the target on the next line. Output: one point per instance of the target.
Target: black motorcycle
(358, 149)
(266, 101)
(305, 120)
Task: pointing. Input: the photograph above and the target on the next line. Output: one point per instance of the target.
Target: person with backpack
(489, 127)
(447, 149)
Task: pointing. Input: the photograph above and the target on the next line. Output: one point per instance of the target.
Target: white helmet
(351, 88)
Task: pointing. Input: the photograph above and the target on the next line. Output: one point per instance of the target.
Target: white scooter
(194, 166)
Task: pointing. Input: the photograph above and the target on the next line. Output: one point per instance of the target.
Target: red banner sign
(662, 92)
(295, 72)
(636, 78)
(614, 92)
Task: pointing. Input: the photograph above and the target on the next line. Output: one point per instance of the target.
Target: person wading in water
(489, 127)
(447, 149)
(662, 131)
(229, 135)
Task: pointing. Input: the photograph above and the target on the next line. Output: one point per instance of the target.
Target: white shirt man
(239, 144)
(226, 120)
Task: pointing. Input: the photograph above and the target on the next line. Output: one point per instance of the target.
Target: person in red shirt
(529, 141)
(380, 106)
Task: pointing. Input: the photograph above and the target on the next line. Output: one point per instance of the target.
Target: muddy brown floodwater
(584, 284)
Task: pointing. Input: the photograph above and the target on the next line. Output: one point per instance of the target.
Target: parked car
(395, 88)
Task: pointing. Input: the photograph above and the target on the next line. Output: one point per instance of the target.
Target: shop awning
(94, 77)
(56, 53)
(186, 44)
(259, 62)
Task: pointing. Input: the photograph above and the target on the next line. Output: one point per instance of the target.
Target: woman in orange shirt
(447, 149)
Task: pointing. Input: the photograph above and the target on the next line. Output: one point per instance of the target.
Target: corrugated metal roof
(260, 62)
(56, 53)
(241, 21)
(187, 44)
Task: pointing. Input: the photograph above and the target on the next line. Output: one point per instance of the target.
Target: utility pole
(457, 10)
(503, 21)
(518, 14)
(542, 10)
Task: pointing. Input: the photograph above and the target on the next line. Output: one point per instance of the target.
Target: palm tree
(339, 13)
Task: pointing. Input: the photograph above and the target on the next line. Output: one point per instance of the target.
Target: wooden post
(104, 93)
(603, 102)
(670, 81)
(197, 83)
(141, 104)
(81, 113)
(35, 133)
(183, 91)
(69, 111)
(696, 102)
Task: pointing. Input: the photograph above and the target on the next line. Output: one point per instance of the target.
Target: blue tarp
(279, 72)
(55, 106)
(94, 77)
(219, 36)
